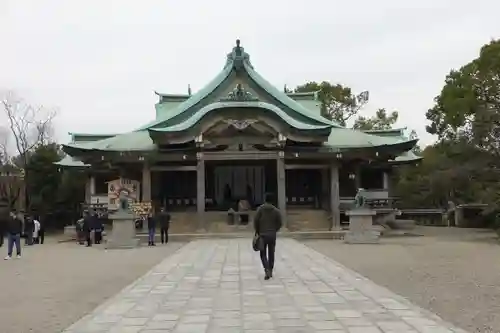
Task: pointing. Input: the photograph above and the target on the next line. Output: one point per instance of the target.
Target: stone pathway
(217, 286)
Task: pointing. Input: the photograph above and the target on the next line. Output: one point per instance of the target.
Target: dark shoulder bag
(257, 243)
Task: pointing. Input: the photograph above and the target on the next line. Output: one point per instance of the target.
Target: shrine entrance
(228, 183)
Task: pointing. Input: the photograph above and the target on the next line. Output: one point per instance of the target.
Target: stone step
(339, 234)
(308, 220)
(217, 222)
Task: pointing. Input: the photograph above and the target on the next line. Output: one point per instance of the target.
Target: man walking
(267, 223)
(151, 230)
(14, 229)
(164, 220)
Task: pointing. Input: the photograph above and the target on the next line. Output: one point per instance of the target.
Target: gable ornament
(240, 124)
(239, 94)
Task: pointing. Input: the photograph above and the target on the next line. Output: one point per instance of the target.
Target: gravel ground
(55, 284)
(452, 272)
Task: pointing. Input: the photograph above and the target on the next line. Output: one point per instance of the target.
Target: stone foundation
(123, 234)
(361, 227)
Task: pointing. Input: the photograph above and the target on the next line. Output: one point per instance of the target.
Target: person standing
(151, 230)
(164, 220)
(87, 228)
(41, 232)
(267, 223)
(14, 229)
(36, 231)
(29, 228)
(79, 230)
(98, 228)
(4, 220)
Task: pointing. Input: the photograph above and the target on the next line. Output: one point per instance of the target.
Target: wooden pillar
(200, 190)
(146, 183)
(334, 196)
(357, 177)
(385, 181)
(92, 185)
(87, 191)
(281, 177)
(325, 189)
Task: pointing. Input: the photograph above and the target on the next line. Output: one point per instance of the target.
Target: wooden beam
(306, 166)
(174, 168)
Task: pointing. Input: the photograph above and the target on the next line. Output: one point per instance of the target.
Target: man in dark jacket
(14, 229)
(267, 223)
(98, 228)
(87, 227)
(164, 221)
(151, 230)
(4, 220)
(29, 227)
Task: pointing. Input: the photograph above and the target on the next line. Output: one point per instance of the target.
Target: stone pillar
(200, 190)
(281, 177)
(334, 196)
(146, 183)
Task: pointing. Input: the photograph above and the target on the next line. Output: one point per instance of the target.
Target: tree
(469, 103)
(338, 102)
(45, 177)
(463, 166)
(28, 126)
(380, 121)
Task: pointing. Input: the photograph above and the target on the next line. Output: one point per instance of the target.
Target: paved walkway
(217, 286)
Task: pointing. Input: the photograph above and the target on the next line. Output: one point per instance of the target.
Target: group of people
(16, 225)
(161, 219)
(90, 222)
(267, 223)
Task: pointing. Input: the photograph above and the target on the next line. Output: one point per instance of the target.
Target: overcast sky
(99, 61)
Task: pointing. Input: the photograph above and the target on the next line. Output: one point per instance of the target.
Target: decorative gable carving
(239, 94)
(240, 124)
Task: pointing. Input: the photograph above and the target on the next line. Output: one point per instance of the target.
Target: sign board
(114, 187)
(99, 199)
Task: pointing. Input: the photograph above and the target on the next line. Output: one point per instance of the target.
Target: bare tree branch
(28, 126)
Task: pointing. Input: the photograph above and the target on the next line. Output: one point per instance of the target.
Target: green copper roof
(133, 141)
(189, 112)
(406, 157)
(192, 101)
(185, 114)
(351, 138)
(69, 161)
(253, 104)
(286, 100)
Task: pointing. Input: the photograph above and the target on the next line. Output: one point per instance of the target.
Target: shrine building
(241, 137)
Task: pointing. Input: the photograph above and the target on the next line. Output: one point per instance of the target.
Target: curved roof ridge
(193, 100)
(195, 118)
(237, 60)
(286, 100)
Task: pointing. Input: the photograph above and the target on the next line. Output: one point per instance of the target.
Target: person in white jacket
(36, 232)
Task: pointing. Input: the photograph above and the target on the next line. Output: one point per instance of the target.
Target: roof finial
(237, 49)
(189, 89)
